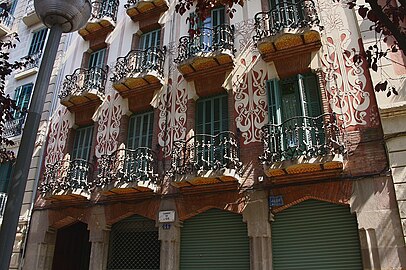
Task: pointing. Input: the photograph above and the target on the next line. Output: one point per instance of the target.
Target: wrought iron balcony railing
(285, 15)
(204, 152)
(84, 80)
(6, 19)
(128, 166)
(132, 3)
(3, 200)
(105, 8)
(301, 136)
(139, 61)
(67, 175)
(35, 59)
(29, 7)
(206, 40)
(13, 127)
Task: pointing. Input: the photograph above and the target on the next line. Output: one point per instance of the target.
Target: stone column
(99, 237)
(256, 215)
(170, 239)
(40, 248)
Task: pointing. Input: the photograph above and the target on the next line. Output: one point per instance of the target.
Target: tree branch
(400, 38)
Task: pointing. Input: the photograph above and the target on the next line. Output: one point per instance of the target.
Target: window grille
(134, 245)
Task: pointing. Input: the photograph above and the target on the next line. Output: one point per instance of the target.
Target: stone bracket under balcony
(141, 10)
(102, 20)
(128, 172)
(308, 168)
(30, 17)
(204, 161)
(84, 88)
(303, 149)
(208, 52)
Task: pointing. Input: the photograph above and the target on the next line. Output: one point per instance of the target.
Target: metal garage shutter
(215, 240)
(316, 235)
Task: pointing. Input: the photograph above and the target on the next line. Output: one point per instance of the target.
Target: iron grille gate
(134, 245)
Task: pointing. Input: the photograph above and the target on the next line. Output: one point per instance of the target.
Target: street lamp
(62, 16)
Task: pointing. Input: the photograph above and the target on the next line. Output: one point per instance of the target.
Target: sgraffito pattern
(108, 126)
(58, 135)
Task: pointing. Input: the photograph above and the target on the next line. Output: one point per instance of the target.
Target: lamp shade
(69, 14)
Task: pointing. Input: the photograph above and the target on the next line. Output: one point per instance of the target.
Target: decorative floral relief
(172, 114)
(346, 83)
(244, 32)
(109, 126)
(250, 103)
(58, 135)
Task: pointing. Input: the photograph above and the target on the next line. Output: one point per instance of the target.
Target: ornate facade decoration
(250, 102)
(109, 126)
(345, 81)
(172, 114)
(58, 135)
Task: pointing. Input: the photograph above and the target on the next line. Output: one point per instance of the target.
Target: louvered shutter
(214, 239)
(315, 235)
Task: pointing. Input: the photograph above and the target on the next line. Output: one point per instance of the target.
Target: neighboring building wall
(347, 88)
(392, 111)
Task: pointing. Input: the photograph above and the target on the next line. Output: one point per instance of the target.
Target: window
(292, 97)
(22, 97)
(82, 143)
(294, 110)
(208, 32)
(150, 39)
(140, 130)
(38, 41)
(97, 58)
(212, 115)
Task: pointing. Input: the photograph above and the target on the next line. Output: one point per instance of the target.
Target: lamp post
(62, 16)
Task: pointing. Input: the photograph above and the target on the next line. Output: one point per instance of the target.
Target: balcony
(13, 127)
(102, 20)
(287, 30)
(31, 68)
(139, 10)
(85, 87)
(205, 160)
(128, 172)
(3, 200)
(30, 17)
(209, 51)
(139, 72)
(67, 180)
(303, 146)
(6, 22)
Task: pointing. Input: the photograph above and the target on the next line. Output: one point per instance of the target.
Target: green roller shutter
(216, 240)
(316, 235)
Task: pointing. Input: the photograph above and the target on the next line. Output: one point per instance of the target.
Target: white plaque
(167, 216)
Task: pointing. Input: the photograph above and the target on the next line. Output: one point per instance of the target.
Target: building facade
(254, 143)
(21, 19)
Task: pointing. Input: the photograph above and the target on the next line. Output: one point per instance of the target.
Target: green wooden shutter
(274, 104)
(217, 17)
(140, 130)
(22, 97)
(316, 235)
(97, 58)
(312, 94)
(83, 143)
(212, 115)
(38, 41)
(5, 174)
(216, 240)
